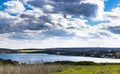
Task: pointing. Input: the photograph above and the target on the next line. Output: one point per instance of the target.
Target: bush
(72, 63)
(6, 62)
(80, 63)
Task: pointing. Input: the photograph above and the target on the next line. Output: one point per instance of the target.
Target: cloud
(115, 29)
(113, 17)
(36, 20)
(52, 21)
(14, 7)
(58, 42)
(88, 8)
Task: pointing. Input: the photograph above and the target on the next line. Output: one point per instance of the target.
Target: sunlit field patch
(108, 69)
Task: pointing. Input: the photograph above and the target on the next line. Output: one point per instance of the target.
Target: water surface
(41, 58)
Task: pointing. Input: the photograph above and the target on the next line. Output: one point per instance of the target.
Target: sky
(59, 23)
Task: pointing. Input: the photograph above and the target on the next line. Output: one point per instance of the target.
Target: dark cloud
(114, 29)
(72, 7)
(37, 3)
(29, 22)
(88, 10)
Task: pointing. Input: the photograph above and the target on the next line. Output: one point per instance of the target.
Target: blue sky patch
(110, 4)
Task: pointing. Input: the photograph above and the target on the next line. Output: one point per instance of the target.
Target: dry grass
(30, 69)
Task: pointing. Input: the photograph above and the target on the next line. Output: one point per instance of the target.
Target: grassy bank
(108, 69)
(64, 67)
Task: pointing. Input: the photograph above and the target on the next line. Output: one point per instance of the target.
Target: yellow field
(28, 51)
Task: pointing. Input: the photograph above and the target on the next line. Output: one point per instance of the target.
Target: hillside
(4, 50)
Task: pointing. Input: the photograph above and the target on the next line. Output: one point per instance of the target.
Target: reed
(30, 69)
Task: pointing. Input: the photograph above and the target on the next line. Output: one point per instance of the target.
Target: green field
(108, 69)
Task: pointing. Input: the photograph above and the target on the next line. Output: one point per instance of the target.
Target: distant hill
(4, 50)
(89, 52)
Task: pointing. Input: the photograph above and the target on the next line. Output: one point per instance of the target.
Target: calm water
(41, 58)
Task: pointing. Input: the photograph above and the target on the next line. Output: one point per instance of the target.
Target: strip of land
(89, 52)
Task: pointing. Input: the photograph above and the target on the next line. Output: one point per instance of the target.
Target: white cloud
(39, 27)
(14, 7)
(58, 42)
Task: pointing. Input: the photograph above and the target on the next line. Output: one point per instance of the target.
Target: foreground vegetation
(30, 69)
(64, 67)
(14, 67)
(107, 69)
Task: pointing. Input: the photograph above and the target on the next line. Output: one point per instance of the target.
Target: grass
(30, 69)
(107, 69)
(118, 53)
